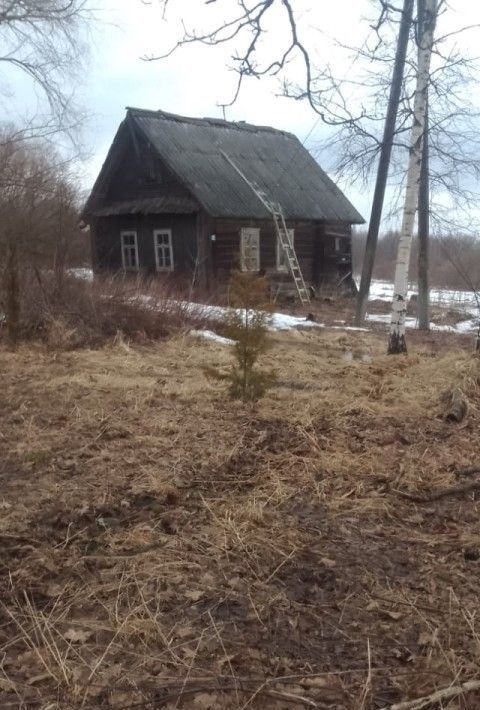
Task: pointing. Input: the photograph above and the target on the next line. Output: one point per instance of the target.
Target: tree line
(454, 259)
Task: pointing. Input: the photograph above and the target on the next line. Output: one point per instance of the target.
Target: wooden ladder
(290, 253)
(281, 231)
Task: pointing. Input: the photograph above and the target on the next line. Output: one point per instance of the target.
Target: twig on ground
(444, 493)
(277, 694)
(470, 471)
(453, 691)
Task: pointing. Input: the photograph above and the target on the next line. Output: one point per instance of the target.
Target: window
(282, 263)
(129, 251)
(250, 249)
(162, 240)
(342, 245)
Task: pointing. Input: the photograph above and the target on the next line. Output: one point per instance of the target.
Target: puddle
(355, 356)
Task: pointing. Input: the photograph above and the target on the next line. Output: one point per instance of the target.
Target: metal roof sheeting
(275, 161)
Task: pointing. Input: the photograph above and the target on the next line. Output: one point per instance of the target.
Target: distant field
(163, 546)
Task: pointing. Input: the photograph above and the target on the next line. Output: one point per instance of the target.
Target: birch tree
(397, 341)
(423, 305)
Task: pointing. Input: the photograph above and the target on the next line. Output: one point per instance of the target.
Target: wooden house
(188, 196)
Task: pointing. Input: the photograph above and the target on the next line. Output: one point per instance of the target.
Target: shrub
(247, 326)
(85, 313)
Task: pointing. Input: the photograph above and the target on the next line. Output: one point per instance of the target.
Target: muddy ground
(162, 546)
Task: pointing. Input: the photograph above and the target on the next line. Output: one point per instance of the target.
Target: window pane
(129, 250)
(163, 250)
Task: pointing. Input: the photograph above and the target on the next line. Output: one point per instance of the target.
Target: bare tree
(397, 341)
(423, 309)
(45, 41)
(246, 26)
(452, 146)
(38, 220)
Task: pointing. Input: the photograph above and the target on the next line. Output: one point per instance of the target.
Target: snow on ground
(82, 273)
(412, 323)
(275, 321)
(380, 290)
(444, 298)
(464, 326)
(211, 335)
(465, 300)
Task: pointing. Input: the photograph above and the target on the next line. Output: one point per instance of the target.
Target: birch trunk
(397, 342)
(423, 304)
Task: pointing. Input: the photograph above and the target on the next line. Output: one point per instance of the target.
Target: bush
(247, 326)
(85, 313)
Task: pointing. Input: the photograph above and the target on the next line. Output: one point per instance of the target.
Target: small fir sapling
(247, 326)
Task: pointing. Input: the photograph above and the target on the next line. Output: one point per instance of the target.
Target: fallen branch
(444, 493)
(470, 471)
(182, 693)
(453, 691)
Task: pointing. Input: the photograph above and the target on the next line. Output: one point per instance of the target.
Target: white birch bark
(397, 343)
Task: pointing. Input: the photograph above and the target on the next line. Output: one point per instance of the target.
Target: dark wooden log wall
(314, 244)
(106, 244)
(194, 249)
(335, 265)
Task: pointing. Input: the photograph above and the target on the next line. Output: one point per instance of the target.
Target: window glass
(162, 240)
(129, 250)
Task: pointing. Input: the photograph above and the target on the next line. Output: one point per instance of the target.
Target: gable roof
(207, 155)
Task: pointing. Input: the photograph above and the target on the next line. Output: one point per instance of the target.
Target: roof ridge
(211, 121)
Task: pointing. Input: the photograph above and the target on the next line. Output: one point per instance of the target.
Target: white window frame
(163, 247)
(129, 233)
(244, 233)
(282, 262)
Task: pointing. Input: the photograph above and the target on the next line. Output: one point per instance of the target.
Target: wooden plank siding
(336, 264)
(314, 245)
(214, 259)
(106, 245)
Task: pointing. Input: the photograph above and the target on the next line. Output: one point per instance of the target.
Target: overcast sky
(195, 80)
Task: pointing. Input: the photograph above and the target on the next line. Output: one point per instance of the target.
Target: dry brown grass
(165, 547)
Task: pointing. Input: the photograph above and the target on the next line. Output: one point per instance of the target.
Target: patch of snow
(282, 321)
(465, 326)
(211, 335)
(348, 327)
(383, 291)
(275, 321)
(82, 273)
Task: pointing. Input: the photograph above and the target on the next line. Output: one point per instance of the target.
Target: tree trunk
(12, 296)
(384, 161)
(397, 343)
(423, 304)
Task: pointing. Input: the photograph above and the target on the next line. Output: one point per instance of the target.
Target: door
(250, 249)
